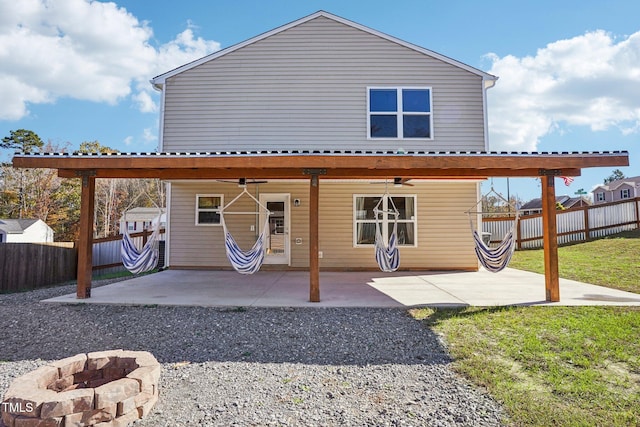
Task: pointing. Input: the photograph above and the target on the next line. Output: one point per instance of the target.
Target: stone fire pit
(101, 389)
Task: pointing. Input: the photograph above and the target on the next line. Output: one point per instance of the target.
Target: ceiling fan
(242, 182)
(397, 182)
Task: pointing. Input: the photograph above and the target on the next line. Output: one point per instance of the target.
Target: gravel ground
(258, 367)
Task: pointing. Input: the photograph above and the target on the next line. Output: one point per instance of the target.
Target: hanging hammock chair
(245, 262)
(387, 253)
(497, 258)
(145, 259)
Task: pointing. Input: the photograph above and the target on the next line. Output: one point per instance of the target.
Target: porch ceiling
(335, 164)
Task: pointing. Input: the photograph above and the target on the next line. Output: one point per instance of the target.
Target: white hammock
(245, 262)
(494, 259)
(387, 253)
(144, 260)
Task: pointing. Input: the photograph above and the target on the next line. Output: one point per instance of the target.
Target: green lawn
(557, 366)
(613, 262)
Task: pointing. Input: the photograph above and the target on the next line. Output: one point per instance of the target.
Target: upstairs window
(399, 113)
(625, 193)
(600, 197)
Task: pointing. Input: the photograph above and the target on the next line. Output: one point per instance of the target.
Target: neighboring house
(622, 189)
(326, 85)
(25, 231)
(534, 206)
(138, 219)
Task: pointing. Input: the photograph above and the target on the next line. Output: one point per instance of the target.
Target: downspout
(486, 84)
(160, 87)
(167, 234)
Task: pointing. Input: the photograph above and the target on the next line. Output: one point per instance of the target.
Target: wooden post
(314, 245)
(85, 242)
(587, 230)
(550, 239)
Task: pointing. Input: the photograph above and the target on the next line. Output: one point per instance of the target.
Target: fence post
(587, 231)
(518, 236)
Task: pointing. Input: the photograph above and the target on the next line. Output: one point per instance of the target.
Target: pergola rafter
(318, 165)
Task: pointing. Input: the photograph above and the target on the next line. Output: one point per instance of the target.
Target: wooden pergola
(318, 165)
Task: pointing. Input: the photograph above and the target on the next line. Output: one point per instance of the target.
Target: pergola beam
(297, 173)
(401, 162)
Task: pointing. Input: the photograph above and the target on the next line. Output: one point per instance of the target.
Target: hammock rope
(250, 261)
(387, 253)
(145, 259)
(494, 259)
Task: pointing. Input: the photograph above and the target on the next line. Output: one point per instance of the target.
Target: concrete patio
(347, 289)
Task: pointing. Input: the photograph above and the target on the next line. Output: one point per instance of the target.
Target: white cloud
(591, 80)
(145, 102)
(148, 135)
(85, 50)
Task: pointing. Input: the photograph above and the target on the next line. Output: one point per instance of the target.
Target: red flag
(567, 180)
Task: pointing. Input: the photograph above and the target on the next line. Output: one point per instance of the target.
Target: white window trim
(197, 210)
(356, 221)
(399, 113)
(625, 193)
(600, 197)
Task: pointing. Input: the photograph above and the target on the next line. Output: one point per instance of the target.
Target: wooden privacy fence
(574, 225)
(106, 256)
(26, 266)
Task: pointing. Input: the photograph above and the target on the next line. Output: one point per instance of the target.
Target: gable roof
(633, 181)
(16, 226)
(159, 80)
(566, 201)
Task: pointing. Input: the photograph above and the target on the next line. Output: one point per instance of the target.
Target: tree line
(41, 194)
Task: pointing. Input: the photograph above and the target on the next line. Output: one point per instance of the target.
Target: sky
(569, 70)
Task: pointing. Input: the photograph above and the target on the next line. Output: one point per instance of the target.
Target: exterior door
(278, 243)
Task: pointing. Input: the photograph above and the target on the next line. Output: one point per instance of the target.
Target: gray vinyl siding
(306, 87)
(444, 236)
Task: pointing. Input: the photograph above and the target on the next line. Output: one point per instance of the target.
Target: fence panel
(26, 266)
(106, 258)
(570, 225)
(603, 220)
(612, 218)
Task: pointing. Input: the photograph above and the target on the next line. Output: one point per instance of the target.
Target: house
(320, 121)
(621, 189)
(140, 218)
(323, 82)
(25, 231)
(534, 206)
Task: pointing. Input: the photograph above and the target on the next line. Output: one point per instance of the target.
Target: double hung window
(208, 209)
(365, 219)
(625, 193)
(400, 113)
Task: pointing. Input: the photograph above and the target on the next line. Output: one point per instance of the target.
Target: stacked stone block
(101, 389)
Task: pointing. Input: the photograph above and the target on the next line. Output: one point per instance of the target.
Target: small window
(365, 220)
(399, 113)
(625, 193)
(600, 197)
(208, 209)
